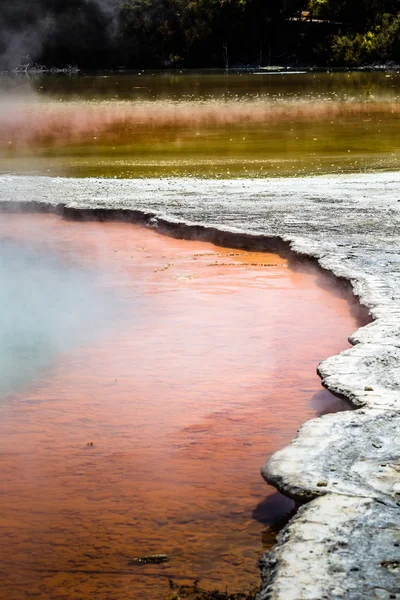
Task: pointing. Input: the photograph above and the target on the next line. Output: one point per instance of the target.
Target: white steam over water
(46, 308)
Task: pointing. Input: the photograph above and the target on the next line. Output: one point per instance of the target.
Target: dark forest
(124, 34)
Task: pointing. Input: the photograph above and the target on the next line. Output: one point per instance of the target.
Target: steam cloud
(21, 32)
(26, 27)
(46, 308)
(110, 9)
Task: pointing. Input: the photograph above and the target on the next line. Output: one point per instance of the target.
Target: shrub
(380, 43)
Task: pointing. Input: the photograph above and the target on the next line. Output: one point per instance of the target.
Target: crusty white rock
(336, 547)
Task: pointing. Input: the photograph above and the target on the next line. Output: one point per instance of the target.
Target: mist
(55, 32)
(111, 10)
(75, 122)
(47, 307)
(24, 27)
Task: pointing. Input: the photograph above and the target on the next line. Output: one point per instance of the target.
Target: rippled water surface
(147, 435)
(202, 124)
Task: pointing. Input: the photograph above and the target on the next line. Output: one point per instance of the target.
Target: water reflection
(205, 85)
(324, 403)
(273, 509)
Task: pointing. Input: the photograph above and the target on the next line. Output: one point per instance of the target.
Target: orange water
(210, 369)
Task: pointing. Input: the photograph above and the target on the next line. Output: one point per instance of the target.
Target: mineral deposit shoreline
(345, 541)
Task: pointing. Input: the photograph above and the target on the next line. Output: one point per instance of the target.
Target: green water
(199, 124)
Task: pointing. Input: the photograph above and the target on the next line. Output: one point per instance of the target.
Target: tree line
(101, 34)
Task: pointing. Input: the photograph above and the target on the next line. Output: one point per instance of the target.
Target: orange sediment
(149, 440)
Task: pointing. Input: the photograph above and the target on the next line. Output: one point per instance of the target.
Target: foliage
(382, 42)
(353, 12)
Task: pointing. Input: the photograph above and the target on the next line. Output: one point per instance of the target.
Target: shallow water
(199, 124)
(205, 368)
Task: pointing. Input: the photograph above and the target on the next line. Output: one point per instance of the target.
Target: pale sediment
(346, 543)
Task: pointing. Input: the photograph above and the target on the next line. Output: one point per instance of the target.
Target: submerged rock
(151, 559)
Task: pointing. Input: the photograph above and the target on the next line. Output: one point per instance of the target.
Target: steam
(23, 28)
(111, 10)
(46, 308)
(26, 27)
(19, 45)
(71, 122)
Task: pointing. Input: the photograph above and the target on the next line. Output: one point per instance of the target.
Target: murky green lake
(207, 124)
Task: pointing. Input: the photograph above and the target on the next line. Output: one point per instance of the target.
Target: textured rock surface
(336, 547)
(352, 453)
(346, 543)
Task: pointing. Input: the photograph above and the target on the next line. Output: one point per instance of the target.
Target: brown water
(199, 124)
(210, 370)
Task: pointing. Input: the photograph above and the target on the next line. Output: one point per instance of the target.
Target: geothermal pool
(203, 124)
(144, 429)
